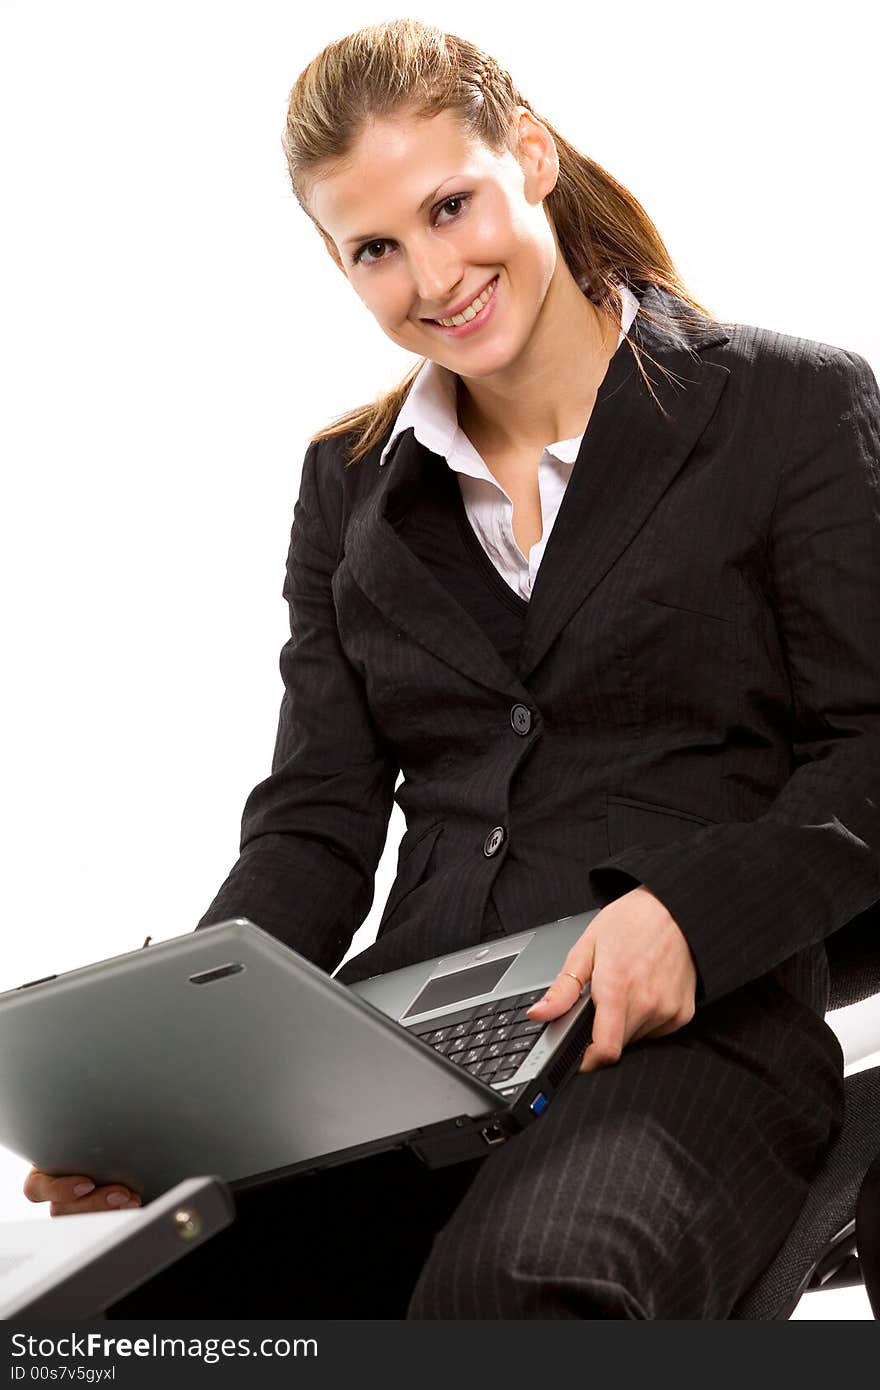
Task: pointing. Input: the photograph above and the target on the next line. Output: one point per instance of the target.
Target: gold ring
(581, 984)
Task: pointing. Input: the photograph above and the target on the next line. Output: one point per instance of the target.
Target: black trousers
(659, 1187)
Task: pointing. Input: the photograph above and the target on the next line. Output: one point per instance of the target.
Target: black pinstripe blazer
(700, 662)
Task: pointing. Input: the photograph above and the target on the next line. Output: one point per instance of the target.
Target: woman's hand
(74, 1194)
(642, 977)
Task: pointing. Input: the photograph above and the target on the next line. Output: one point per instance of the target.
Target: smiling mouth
(472, 309)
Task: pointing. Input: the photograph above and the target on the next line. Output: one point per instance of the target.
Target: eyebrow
(375, 236)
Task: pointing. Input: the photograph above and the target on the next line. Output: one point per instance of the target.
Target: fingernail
(135, 1202)
(117, 1199)
(82, 1188)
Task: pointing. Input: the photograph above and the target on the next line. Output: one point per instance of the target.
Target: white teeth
(472, 309)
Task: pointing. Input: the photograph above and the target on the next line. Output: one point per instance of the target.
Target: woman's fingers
(566, 989)
(112, 1198)
(559, 998)
(77, 1193)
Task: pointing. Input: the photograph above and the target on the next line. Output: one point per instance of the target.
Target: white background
(173, 331)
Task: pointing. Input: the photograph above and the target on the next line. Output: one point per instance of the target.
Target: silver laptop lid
(219, 1051)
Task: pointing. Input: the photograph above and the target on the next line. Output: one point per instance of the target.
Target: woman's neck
(548, 393)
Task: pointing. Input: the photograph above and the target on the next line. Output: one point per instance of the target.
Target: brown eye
(460, 198)
(367, 246)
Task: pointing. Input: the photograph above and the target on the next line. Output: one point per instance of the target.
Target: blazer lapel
(628, 456)
(404, 589)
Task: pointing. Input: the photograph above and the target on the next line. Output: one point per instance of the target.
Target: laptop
(224, 1051)
(77, 1267)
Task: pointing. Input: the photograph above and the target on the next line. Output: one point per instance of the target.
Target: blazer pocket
(687, 607)
(632, 822)
(412, 864)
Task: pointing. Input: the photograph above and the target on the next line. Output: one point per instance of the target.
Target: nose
(437, 278)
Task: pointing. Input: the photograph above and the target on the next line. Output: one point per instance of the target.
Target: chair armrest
(868, 1233)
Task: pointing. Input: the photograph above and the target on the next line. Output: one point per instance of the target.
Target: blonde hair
(402, 66)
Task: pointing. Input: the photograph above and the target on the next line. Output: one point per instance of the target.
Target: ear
(333, 253)
(535, 150)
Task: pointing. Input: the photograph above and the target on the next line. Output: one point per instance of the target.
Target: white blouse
(431, 410)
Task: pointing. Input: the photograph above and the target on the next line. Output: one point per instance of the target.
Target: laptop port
(494, 1134)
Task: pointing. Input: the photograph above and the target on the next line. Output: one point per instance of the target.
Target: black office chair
(835, 1241)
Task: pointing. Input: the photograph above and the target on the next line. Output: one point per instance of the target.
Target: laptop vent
(569, 1054)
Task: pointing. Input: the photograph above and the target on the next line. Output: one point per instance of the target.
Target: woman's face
(422, 219)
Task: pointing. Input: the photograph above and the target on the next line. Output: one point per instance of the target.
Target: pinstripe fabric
(701, 660)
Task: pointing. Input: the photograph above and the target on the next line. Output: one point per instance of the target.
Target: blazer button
(493, 841)
(521, 719)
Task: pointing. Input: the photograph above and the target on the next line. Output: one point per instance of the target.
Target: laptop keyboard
(490, 1040)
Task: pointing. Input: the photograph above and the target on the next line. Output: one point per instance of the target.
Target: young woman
(600, 577)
